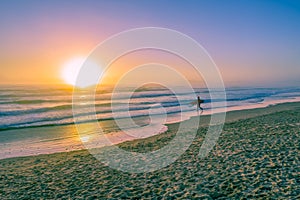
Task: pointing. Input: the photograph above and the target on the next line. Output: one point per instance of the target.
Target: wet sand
(257, 156)
(65, 138)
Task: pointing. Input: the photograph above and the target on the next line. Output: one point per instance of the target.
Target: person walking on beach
(199, 101)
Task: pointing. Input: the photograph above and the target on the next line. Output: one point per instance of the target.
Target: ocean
(37, 119)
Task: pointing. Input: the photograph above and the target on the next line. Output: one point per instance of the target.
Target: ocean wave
(65, 120)
(20, 109)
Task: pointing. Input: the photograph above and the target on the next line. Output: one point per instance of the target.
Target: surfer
(199, 101)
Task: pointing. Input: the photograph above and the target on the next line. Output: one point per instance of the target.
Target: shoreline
(263, 104)
(231, 116)
(254, 158)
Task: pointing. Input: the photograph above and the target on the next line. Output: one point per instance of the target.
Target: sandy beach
(149, 100)
(257, 156)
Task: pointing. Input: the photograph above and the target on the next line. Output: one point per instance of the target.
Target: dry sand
(257, 156)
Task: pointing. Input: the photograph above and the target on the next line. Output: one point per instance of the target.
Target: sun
(80, 72)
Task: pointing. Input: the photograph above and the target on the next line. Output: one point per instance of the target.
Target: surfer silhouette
(199, 101)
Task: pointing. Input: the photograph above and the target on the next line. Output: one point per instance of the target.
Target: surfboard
(196, 102)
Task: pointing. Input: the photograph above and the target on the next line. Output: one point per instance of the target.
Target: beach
(149, 100)
(256, 156)
(34, 120)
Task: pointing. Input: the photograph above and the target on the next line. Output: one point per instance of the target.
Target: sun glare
(89, 72)
(85, 138)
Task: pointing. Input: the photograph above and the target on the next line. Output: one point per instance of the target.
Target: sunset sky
(252, 42)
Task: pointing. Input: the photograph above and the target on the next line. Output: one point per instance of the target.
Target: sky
(253, 42)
